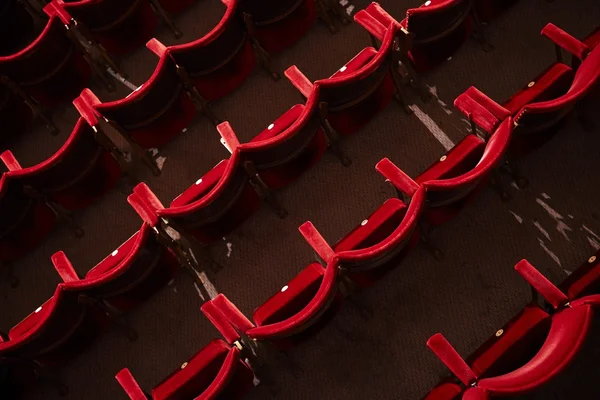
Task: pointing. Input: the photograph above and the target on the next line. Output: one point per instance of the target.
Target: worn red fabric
(484, 111)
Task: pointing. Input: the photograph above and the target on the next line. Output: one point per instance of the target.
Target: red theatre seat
(290, 145)
(352, 96)
(510, 347)
(51, 69)
(76, 175)
(431, 33)
(220, 61)
(538, 108)
(278, 24)
(128, 276)
(120, 26)
(150, 116)
(453, 180)
(211, 208)
(217, 371)
(569, 326)
(381, 241)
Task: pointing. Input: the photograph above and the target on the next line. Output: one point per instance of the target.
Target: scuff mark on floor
(550, 253)
(561, 227)
(517, 217)
(591, 232)
(430, 124)
(542, 230)
(594, 243)
(544, 195)
(443, 104)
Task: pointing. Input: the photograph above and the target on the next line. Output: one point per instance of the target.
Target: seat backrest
(99, 14)
(347, 90)
(38, 335)
(150, 101)
(15, 24)
(41, 58)
(202, 212)
(449, 190)
(144, 256)
(214, 49)
(265, 11)
(435, 21)
(287, 145)
(69, 164)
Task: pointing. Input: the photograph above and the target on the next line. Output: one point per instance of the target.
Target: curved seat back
(437, 20)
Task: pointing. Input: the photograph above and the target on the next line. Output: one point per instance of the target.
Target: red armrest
(219, 321)
(64, 267)
(232, 314)
(228, 137)
(480, 108)
(8, 158)
(317, 242)
(450, 357)
(53, 9)
(399, 179)
(131, 387)
(86, 111)
(566, 41)
(299, 80)
(157, 47)
(372, 25)
(551, 293)
(147, 214)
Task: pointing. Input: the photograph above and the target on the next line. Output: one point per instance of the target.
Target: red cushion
(113, 259)
(292, 298)
(359, 61)
(202, 186)
(543, 83)
(374, 229)
(460, 159)
(584, 281)
(31, 321)
(507, 351)
(198, 374)
(280, 124)
(593, 39)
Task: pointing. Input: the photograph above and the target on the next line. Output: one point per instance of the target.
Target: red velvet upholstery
(155, 112)
(567, 333)
(77, 174)
(513, 344)
(289, 146)
(24, 222)
(215, 372)
(439, 27)
(220, 61)
(120, 26)
(485, 112)
(279, 24)
(357, 91)
(585, 280)
(210, 209)
(129, 275)
(52, 333)
(50, 69)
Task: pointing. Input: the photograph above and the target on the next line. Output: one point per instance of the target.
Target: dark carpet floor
(554, 223)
